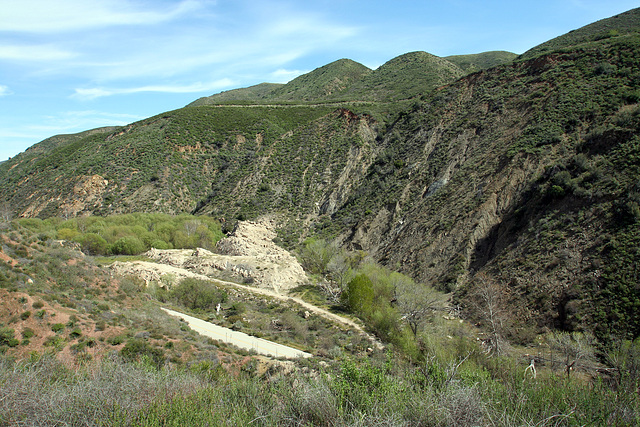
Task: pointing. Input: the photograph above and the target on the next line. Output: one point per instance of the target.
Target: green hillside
(406, 76)
(474, 168)
(252, 94)
(483, 226)
(58, 141)
(165, 163)
(626, 23)
(465, 173)
(522, 173)
(481, 61)
(322, 83)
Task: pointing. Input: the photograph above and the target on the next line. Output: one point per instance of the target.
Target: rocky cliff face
(499, 172)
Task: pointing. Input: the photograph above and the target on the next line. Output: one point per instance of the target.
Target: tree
(5, 212)
(576, 349)
(191, 226)
(339, 273)
(316, 254)
(93, 244)
(197, 294)
(491, 304)
(416, 303)
(359, 295)
(624, 358)
(128, 245)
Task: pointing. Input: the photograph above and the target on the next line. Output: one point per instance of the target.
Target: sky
(73, 65)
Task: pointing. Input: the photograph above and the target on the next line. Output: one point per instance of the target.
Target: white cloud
(15, 138)
(284, 76)
(76, 121)
(4, 90)
(93, 93)
(46, 16)
(34, 53)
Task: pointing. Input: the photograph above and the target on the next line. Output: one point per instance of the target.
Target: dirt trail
(248, 253)
(156, 272)
(239, 339)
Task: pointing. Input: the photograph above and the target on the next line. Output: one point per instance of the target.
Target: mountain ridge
(524, 173)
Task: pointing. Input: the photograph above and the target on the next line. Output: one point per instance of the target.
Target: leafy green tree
(93, 244)
(359, 295)
(128, 245)
(67, 233)
(197, 294)
(316, 254)
(161, 244)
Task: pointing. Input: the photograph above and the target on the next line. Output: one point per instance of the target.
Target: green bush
(128, 245)
(197, 294)
(93, 244)
(116, 340)
(57, 327)
(141, 351)
(161, 244)
(359, 295)
(7, 337)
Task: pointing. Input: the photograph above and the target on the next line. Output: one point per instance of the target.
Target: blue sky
(72, 65)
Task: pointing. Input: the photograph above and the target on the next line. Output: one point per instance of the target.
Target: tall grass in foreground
(114, 393)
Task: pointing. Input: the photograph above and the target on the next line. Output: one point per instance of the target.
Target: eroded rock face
(249, 255)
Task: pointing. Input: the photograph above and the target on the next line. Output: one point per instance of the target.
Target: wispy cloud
(78, 120)
(46, 16)
(284, 76)
(4, 90)
(66, 122)
(34, 53)
(93, 93)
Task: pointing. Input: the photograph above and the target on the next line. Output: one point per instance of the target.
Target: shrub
(116, 340)
(359, 295)
(37, 305)
(7, 337)
(25, 315)
(27, 333)
(131, 285)
(57, 327)
(128, 245)
(93, 244)
(197, 294)
(139, 350)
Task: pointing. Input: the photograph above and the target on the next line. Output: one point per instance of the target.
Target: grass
(352, 392)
